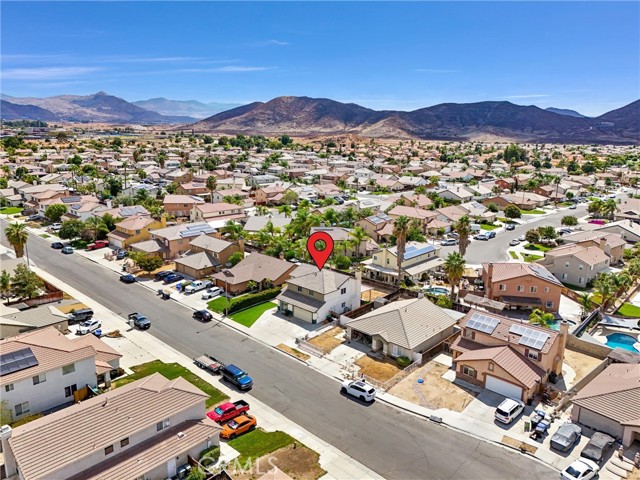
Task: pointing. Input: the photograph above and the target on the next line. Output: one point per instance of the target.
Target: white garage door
(503, 388)
(302, 314)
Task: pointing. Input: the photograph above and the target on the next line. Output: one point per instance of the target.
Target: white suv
(359, 389)
(88, 326)
(509, 410)
(212, 292)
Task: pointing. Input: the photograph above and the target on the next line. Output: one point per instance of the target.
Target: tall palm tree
(17, 235)
(400, 231)
(605, 287)
(93, 224)
(586, 303)
(463, 229)
(262, 211)
(358, 235)
(233, 230)
(609, 208)
(285, 210)
(212, 184)
(454, 266)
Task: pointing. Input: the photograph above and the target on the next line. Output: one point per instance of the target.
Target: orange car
(238, 426)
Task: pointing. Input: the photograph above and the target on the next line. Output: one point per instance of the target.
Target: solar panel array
(72, 199)
(129, 211)
(413, 251)
(543, 273)
(518, 329)
(483, 323)
(16, 361)
(381, 217)
(530, 337)
(195, 230)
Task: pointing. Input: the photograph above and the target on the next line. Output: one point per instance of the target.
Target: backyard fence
(309, 348)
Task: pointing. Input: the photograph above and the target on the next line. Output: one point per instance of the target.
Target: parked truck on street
(228, 410)
(197, 286)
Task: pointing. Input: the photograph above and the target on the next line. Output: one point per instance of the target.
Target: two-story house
(612, 243)
(509, 357)
(414, 213)
(207, 212)
(146, 429)
(522, 285)
(180, 206)
(43, 369)
(419, 259)
(314, 296)
(374, 223)
(207, 255)
(576, 264)
(169, 242)
(134, 229)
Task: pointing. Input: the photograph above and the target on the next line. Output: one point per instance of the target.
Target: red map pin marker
(320, 257)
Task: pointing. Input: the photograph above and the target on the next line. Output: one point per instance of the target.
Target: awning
(301, 301)
(520, 300)
(472, 299)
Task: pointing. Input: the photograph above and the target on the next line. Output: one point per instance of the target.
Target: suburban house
(271, 195)
(261, 269)
(172, 241)
(526, 200)
(207, 255)
(134, 229)
(458, 194)
(194, 188)
(414, 213)
(206, 212)
(628, 229)
(610, 403)
(522, 285)
(341, 238)
(256, 223)
(22, 321)
(419, 259)
(576, 264)
(180, 205)
(121, 212)
(510, 357)
(145, 429)
(404, 328)
(613, 243)
(43, 370)
(374, 223)
(629, 209)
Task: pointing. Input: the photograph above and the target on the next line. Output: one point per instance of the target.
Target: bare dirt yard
(71, 306)
(582, 364)
(381, 370)
(293, 351)
(300, 463)
(436, 392)
(329, 339)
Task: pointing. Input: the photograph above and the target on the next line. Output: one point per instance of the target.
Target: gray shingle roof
(323, 281)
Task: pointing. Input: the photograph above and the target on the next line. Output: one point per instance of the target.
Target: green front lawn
(259, 443)
(537, 246)
(249, 316)
(485, 226)
(531, 258)
(629, 310)
(10, 210)
(45, 235)
(171, 371)
(218, 304)
(532, 212)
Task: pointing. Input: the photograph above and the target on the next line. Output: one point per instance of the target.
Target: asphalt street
(395, 444)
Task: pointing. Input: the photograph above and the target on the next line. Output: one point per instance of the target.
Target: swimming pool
(621, 340)
(555, 325)
(437, 291)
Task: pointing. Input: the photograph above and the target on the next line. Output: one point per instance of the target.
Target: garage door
(302, 314)
(503, 388)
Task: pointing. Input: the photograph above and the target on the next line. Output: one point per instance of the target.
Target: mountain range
(190, 108)
(497, 120)
(565, 111)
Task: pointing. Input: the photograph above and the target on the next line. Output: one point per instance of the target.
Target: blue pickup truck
(238, 377)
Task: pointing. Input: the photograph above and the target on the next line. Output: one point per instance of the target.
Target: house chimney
(241, 244)
(603, 243)
(420, 294)
(564, 334)
(281, 256)
(488, 281)
(9, 459)
(109, 203)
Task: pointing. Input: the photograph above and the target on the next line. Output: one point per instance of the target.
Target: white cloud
(225, 69)
(47, 73)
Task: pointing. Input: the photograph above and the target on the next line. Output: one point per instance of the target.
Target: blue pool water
(620, 340)
(437, 291)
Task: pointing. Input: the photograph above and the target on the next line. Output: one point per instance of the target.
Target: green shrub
(342, 262)
(212, 453)
(252, 299)
(27, 419)
(403, 361)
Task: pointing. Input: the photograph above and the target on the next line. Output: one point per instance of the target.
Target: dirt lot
(381, 370)
(299, 463)
(72, 306)
(436, 392)
(329, 339)
(582, 364)
(293, 351)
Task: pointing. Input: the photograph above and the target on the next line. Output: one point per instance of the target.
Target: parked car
(67, 250)
(203, 315)
(55, 227)
(174, 277)
(197, 286)
(57, 245)
(514, 242)
(509, 410)
(80, 315)
(359, 389)
(88, 326)
(597, 447)
(140, 321)
(127, 278)
(212, 292)
(491, 234)
(163, 274)
(238, 426)
(572, 207)
(510, 226)
(97, 245)
(227, 410)
(238, 377)
(522, 238)
(482, 236)
(34, 218)
(581, 469)
(120, 254)
(566, 437)
(449, 242)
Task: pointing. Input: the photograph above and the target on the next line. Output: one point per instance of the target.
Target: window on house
(502, 287)
(344, 304)
(343, 291)
(520, 288)
(533, 289)
(299, 289)
(387, 261)
(108, 450)
(581, 280)
(490, 366)
(564, 276)
(468, 371)
(39, 379)
(68, 391)
(9, 388)
(137, 232)
(546, 289)
(533, 355)
(566, 264)
(22, 408)
(549, 304)
(162, 425)
(311, 292)
(124, 442)
(68, 369)
(469, 333)
(375, 257)
(580, 267)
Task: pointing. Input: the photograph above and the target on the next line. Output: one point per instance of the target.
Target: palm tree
(595, 207)
(93, 224)
(5, 284)
(17, 235)
(285, 210)
(463, 229)
(400, 231)
(586, 303)
(454, 266)
(212, 184)
(358, 235)
(633, 267)
(609, 208)
(544, 319)
(233, 230)
(605, 287)
(262, 211)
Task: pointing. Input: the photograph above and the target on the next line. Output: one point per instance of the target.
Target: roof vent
(181, 434)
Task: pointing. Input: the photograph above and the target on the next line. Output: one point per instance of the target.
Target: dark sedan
(164, 274)
(174, 277)
(203, 315)
(57, 245)
(510, 226)
(127, 278)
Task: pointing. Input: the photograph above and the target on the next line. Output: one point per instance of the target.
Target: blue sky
(584, 56)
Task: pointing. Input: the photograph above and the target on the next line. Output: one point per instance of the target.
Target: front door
(395, 351)
(171, 468)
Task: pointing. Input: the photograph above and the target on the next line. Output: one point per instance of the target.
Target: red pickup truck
(227, 411)
(98, 244)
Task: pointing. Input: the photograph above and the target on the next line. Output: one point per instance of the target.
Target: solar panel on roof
(72, 199)
(413, 251)
(518, 329)
(533, 338)
(16, 361)
(483, 323)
